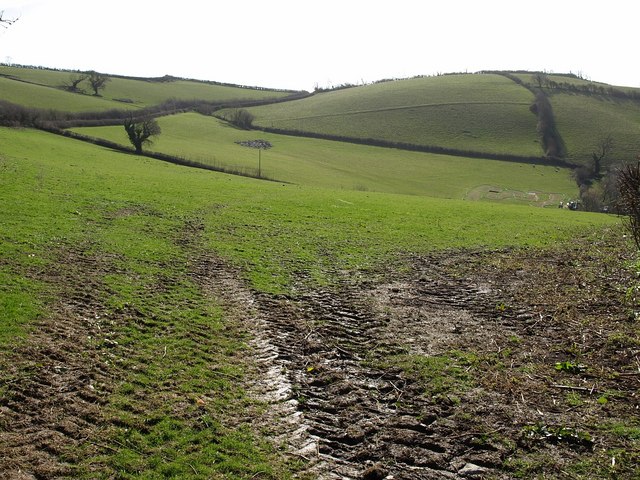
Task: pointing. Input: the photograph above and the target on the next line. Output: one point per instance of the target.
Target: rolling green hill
(587, 111)
(27, 87)
(485, 113)
(39, 96)
(481, 113)
(584, 120)
(147, 308)
(467, 115)
(325, 163)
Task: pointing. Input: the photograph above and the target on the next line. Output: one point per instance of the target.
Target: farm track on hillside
(362, 416)
(398, 107)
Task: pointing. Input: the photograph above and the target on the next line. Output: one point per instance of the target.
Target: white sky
(298, 44)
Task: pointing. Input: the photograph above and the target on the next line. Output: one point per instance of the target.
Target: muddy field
(464, 365)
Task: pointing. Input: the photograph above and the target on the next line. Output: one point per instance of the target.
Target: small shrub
(241, 118)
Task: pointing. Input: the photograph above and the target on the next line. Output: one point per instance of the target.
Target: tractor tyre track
(373, 420)
(57, 379)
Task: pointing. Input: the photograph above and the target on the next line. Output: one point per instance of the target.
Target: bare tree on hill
(541, 79)
(141, 131)
(241, 118)
(98, 81)
(600, 153)
(75, 79)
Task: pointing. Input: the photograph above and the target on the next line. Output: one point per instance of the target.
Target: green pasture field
(56, 191)
(404, 93)
(40, 76)
(479, 127)
(143, 224)
(584, 120)
(39, 96)
(141, 92)
(528, 79)
(323, 163)
(486, 113)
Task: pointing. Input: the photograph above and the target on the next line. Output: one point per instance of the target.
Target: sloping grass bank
(323, 163)
(141, 227)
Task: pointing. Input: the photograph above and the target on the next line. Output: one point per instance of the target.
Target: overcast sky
(298, 44)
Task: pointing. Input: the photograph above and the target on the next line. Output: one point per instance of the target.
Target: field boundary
(398, 107)
(185, 162)
(375, 142)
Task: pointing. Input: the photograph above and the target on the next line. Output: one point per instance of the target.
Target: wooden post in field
(259, 162)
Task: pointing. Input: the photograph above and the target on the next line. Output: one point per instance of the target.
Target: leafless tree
(541, 79)
(98, 81)
(600, 153)
(242, 118)
(75, 79)
(140, 131)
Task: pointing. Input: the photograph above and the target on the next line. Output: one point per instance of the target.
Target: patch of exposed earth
(365, 420)
(56, 381)
(509, 318)
(334, 366)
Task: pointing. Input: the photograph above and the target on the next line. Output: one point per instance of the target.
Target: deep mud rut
(321, 364)
(372, 422)
(350, 413)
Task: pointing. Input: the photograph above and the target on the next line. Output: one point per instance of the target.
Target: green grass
(18, 305)
(337, 165)
(53, 187)
(171, 414)
(131, 218)
(584, 120)
(628, 431)
(486, 113)
(528, 79)
(141, 92)
(440, 375)
(38, 96)
(564, 79)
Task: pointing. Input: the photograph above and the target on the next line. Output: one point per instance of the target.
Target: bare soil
(55, 382)
(541, 375)
(513, 318)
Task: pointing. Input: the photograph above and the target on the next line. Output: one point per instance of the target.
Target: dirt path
(340, 415)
